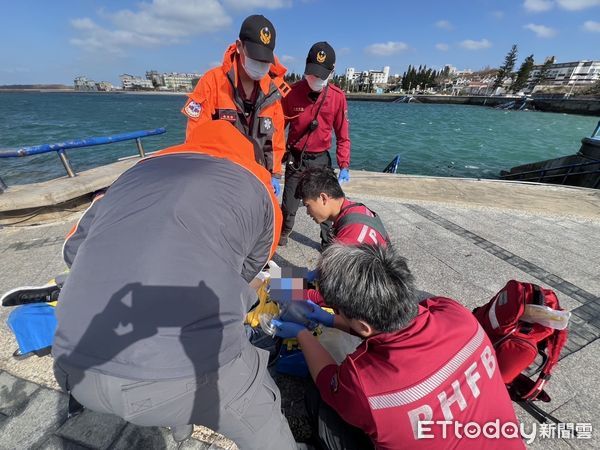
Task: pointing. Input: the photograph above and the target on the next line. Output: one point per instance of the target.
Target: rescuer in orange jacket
(246, 91)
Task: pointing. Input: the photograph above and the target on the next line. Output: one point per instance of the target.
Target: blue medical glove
(276, 186)
(344, 176)
(287, 330)
(318, 314)
(312, 275)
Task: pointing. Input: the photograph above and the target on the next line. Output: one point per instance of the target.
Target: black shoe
(31, 294)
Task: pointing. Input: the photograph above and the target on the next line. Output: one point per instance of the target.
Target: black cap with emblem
(320, 60)
(258, 35)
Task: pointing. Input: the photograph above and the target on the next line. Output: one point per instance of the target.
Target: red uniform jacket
(357, 233)
(352, 234)
(300, 110)
(216, 97)
(441, 368)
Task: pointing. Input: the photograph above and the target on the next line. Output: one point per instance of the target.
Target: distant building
(453, 71)
(155, 77)
(131, 82)
(475, 83)
(368, 79)
(179, 81)
(82, 84)
(105, 86)
(380, 76)
(579, 73)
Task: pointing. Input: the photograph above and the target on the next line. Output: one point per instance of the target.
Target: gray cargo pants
(240, 400)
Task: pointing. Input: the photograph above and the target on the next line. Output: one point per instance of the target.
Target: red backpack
(518, 343)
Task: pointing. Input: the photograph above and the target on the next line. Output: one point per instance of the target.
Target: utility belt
(299, 154)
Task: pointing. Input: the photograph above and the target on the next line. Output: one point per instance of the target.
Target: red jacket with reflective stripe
(300, 109)
(441, 367)
(357, 233)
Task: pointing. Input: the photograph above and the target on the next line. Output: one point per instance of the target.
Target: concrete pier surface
(463, 239)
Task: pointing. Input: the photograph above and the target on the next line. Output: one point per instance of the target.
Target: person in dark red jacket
(314, 110)
(352, 223)
(425, 375)
(325, 201)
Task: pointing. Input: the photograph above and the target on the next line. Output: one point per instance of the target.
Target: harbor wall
(584, 106)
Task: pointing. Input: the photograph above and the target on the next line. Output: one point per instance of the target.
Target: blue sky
(55, 41)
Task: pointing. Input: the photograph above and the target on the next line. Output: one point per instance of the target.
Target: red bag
(518, 343)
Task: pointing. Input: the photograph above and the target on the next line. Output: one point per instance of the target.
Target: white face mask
(256, 70)
(315, 83)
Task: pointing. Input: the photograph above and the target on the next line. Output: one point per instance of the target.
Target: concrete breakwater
(586, 106)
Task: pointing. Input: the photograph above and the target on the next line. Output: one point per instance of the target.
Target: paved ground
(455, 246)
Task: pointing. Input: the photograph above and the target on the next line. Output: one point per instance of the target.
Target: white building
(104, 86)
(83, 84)
(179, 81)
(583, 72)
(455, 72)
(133, 82)
(351, 75)
(375, 76)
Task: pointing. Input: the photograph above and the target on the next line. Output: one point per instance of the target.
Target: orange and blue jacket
(216, 97)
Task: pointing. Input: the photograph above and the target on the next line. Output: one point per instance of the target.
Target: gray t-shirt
(158, 286)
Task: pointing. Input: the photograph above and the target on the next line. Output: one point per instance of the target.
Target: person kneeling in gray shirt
(150, 319)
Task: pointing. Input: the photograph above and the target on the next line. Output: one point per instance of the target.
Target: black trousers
(329, 428)
(289, 202)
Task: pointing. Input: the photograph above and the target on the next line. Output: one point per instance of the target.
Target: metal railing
(540, 175)
(60, 148)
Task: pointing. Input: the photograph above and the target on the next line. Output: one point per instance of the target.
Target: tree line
(518, 79)
(424, 77)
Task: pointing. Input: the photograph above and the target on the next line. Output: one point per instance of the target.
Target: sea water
(439, 140)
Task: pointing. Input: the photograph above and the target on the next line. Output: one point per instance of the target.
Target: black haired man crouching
(420, 365)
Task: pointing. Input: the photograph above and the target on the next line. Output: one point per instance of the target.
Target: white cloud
(592, 26)
(541, 30)
(386, 49)
(343, 51)
(174, 18)
(569, 5)
(498, 14)
(538, 5)
(160, 22)
(97, 39)
(577, 5)
(469, 44)
(287, 59)
(442, 47)
(242, 5)
(444, 25)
